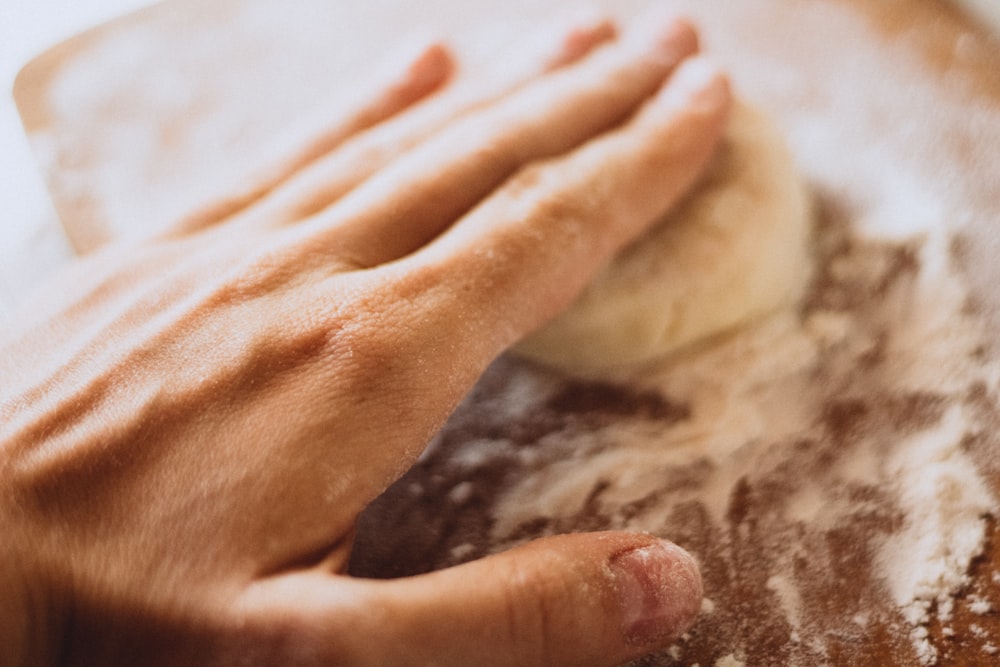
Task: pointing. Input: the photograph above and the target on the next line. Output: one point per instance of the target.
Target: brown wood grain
(959, 59)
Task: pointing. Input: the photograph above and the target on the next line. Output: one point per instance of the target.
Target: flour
(826, 465)
(925, 563)
(823, 465)
(897, 454)
(979, 605)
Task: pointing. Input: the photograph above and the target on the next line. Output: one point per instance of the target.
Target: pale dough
(734, 251)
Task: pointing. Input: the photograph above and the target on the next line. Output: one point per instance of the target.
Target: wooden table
(892, 110)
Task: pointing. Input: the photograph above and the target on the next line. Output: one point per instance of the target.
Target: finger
(531, 247)
(390, 95)
(433, 321)
(412, 200)
(586, 599)
(580, 42)
(337, 173)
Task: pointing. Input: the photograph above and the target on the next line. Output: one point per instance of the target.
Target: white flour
(754, 400)
(829, 455)
(826, 466)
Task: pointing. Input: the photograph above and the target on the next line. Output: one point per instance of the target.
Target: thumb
(593, 599)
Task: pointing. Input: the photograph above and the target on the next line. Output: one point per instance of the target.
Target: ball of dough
(735, 250)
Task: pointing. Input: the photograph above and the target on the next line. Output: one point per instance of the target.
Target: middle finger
(410, 202)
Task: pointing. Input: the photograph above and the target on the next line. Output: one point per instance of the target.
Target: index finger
(527, 251)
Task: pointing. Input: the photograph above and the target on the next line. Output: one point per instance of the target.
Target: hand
(190, 425)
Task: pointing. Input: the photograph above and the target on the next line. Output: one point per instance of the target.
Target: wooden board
(892, 110)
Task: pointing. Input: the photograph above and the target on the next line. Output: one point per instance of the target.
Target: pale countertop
(32, 243)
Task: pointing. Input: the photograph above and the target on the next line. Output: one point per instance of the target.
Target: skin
(191, 424)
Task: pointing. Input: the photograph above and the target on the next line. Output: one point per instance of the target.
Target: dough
(735, 250)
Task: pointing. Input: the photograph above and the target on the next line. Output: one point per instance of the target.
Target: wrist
(24, 621)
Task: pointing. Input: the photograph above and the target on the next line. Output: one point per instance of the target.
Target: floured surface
(834, 469)
(821, 466)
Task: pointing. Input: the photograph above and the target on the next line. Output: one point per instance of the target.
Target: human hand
(191, 424)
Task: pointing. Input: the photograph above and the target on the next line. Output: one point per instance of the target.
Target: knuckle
(566, 207)
(537, 609)
(262, 270)
(567, 218)
(497, 151)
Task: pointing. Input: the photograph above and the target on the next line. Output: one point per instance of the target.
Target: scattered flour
(979, 605)
(820, 440)
(822, 464)
(925, 563)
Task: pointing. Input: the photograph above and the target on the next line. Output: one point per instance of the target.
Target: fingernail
(433, 63)
(583, 39)
(663, 36)
(588, 34)
(660, 591)
(698, 80)
(679, 39)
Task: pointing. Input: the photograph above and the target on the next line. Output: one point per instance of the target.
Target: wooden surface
(869, 93)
